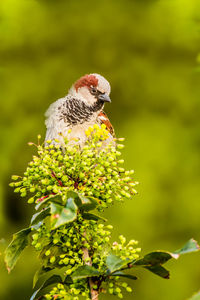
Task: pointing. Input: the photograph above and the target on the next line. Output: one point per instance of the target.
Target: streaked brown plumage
(81, 108)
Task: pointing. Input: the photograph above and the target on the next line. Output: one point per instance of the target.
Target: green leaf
(61, 215)
(115, 263)
(51, 280)
(75, 196)
(37, 226)
(154, 258)
(52, 199)
(88, 203)
(39, 273)
(68, 280)
(14, 249)
(122, 274)
(84, 272)
(54, 271)
(83, 203)
(40, 216)
(190, 246)
(161, 257)
(159, 270)
(89, 216)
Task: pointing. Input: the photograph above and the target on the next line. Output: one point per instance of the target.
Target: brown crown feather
(87, 80)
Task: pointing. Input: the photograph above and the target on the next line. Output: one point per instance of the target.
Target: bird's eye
(93, 90)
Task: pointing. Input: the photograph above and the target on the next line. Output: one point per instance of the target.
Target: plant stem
(94, 293)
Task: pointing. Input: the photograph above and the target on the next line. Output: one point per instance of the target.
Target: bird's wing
(53, 124)
(103, 118)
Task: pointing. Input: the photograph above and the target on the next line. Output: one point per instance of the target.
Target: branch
(94, 293)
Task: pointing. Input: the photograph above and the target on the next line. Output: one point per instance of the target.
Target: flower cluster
(69, 244)
(69, 185)
(72, 292)
(76, 290)
(65, 245)
(126, 250)
(66, 182)
(117, 287)
(94, 170)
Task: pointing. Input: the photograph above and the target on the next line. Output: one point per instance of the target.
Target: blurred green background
(148, 50)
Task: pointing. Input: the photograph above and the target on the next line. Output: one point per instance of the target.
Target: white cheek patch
(86, 96)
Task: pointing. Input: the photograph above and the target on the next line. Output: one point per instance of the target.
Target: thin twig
(94, 293)
(96, 297)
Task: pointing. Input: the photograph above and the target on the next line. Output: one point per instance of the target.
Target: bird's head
(92, 89)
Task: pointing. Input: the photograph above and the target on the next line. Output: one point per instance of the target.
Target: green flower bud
(100, 226)
(72, 261)
(14, 177)
(128, 195)
(120, 146)
(38, 246)
(52, 259)
(68, 244)
(66, 261)
(111, 158)
(109, 201)
(118, 153)
(109, 226)
(121, 139)
(122, 239)
(55, 240)
(110, 291)
(48, 252)
(106, 164)
(48, 141)
(31, 200)
(35, 236)
(55, 189)
(23, 194)
(34, 243)
(65, 178)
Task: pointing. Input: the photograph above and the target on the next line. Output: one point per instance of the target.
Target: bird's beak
(104, 98)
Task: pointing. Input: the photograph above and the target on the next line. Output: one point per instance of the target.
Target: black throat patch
(74, 111)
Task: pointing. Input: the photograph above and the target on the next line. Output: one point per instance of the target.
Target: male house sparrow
(80, 109)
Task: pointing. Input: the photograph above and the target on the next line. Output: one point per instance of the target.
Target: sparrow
(69, 117)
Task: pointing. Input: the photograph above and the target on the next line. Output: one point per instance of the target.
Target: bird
(69, 117)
